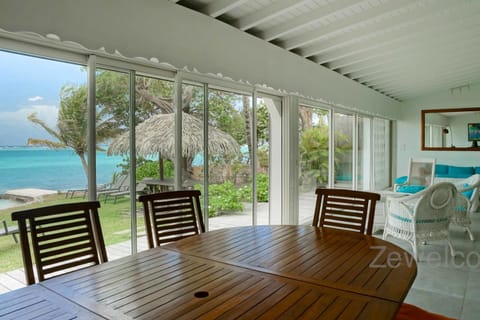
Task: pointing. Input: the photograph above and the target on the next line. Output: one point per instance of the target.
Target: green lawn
(114, 218)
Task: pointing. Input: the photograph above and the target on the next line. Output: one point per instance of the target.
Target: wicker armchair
(467, 202)
(469, 187)
(423, 216)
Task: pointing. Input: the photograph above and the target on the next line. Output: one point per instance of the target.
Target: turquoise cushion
(401, 180)
(477, 170)
(460, 172)
(410, 189)
(441, 170)
(468, 193)
(344, 178)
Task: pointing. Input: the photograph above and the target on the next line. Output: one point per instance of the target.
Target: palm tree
(71, 130)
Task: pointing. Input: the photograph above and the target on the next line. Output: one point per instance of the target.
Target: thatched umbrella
(156, 135)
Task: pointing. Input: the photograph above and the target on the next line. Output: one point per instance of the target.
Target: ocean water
(43, 168)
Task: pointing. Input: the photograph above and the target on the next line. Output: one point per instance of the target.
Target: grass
(114, 219)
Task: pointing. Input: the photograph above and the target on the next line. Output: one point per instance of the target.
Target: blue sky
(28, 85)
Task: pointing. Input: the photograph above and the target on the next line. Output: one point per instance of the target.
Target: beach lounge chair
(113, 186)
(141, 188)
(9, 230)
(120, 184)
(71, 192)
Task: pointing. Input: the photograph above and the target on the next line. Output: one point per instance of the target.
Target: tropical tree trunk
(84, 163)
(306, 118)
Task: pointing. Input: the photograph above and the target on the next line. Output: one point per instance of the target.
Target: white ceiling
(401, 48)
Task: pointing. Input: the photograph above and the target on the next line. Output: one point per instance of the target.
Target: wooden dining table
(256, 272)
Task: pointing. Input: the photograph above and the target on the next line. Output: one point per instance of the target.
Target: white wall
(409, 144)
(460, 132)
(173, 34)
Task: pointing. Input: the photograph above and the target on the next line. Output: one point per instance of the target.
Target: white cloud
(46, 113)
(18, 128)
(36, 98)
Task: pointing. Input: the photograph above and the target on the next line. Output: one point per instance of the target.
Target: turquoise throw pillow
(468, 193)
(401, 180)
(477, 170)
(441, 170)
(410, 189)
(460, 172)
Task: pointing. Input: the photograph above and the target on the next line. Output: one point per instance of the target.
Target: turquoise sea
(43, 168)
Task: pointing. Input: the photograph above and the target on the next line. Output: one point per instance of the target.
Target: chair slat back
(63, 238)
(345, 209)
(171, 216)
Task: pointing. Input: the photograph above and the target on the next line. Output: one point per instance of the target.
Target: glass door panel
(229, 159)
(193, 162)
(364, 153)
(314, 129)
(42, 139)
(154, 136)
(343, 152)
(113, 179)
(381, 153)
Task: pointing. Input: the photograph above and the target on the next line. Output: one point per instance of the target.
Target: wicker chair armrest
(462, 204)
(410, 198)
(462, 208)
(462, 189)
(401, 208)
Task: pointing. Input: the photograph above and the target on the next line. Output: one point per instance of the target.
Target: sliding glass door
(230, 165)
(314, 148)
(112, 116)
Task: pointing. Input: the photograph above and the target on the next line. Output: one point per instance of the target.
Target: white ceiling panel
(400, 48)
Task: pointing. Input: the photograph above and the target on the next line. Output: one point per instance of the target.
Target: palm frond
(33, 118)
(46, 143)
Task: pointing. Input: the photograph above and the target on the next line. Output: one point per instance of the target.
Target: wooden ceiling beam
(420, 42)
(414, 60)
(340, 25)
(304, 20)
(399, 40)
(406, 22)
(218, 7)
(277, 8)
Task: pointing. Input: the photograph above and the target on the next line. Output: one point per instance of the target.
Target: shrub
(245, 192)
(222, 197)
(262, 187)
(148, 168)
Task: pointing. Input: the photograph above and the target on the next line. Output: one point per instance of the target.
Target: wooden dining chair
(171, 216)
(63, 238)
(345, 209)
